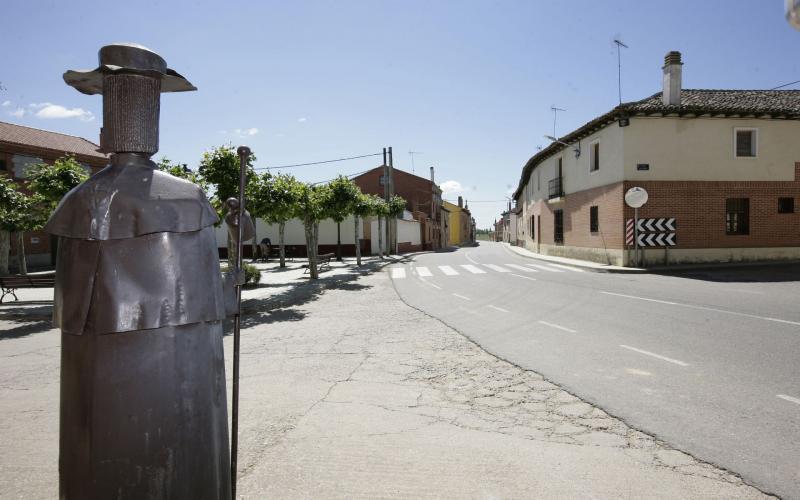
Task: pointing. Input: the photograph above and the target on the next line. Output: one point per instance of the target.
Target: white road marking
(473, 269)
(704, 308)
(448, 270)
(423, 271)
(789, 398)
(552, 325)
(546, 268)
(525, 277)
(398, 273)
(461, 296)
(522, 268)
(568, 268)
(498, 308)
(658, 356)
(499, 269)
(641, 298)
(430, 284)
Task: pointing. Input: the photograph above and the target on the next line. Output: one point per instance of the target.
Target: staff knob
(243, 151)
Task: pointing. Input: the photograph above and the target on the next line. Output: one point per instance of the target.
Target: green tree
(53, 182)
(219, 168)
(380, 209)
(17, 215)
(395, 208)
(364, 206)
(275, 199)
(343, 194)
(182, 171)
(312, 206)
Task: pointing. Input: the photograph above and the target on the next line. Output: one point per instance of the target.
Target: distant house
(460, 223)
(423, 199)
(20, 148)
(722, 167)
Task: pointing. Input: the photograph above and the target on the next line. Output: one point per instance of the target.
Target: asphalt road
(708, 361)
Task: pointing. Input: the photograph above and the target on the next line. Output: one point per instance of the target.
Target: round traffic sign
(635, 197)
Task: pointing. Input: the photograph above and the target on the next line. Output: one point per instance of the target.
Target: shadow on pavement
(762, 273)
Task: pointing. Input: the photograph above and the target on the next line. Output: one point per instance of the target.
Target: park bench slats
(9, 284)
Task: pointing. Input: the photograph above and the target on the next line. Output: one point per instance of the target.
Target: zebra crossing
(455, 270)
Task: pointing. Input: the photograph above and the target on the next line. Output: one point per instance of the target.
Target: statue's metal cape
(140, 301)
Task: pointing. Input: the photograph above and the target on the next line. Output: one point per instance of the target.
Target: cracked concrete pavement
(346, 392)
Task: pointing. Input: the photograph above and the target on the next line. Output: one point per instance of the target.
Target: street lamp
(577, 149)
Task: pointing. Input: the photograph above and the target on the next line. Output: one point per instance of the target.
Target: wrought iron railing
(555, 188)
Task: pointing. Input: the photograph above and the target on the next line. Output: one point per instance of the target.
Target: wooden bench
(323, 260)
(9, 284)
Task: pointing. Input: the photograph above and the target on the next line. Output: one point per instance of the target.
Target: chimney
(432, 176)
(460, 202)
(671, 95)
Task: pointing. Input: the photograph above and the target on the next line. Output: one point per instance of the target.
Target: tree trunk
(282, 248)
(338, 241)
(310, 251)
(380, 238)
(316, 240)
(358, 243)
(5, 250)
(22, 264)
(255, 240)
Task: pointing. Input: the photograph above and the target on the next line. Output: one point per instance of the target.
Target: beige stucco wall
(701, 149)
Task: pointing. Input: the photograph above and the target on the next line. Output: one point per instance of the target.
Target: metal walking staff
(244, 154)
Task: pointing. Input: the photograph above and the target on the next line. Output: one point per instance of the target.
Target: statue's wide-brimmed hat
(127, 58)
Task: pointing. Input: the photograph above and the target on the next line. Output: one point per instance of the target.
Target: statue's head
(131, 78)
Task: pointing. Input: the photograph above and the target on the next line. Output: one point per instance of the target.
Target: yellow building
(460, 222)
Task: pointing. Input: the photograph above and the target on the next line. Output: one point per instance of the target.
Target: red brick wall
(608, 199)
(699, 209)
(415, 190)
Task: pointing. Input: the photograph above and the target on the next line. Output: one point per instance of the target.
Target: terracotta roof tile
(61, 143)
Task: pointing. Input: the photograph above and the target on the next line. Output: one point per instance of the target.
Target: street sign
(657, 240)
(659, 224)
(635, 197)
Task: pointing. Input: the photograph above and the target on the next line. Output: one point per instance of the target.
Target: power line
(348, 176)
(784, 85)
(318, 162)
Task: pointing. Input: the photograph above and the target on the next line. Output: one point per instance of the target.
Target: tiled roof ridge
(50, 132)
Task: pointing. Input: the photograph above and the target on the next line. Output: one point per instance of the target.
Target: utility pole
(391, 223)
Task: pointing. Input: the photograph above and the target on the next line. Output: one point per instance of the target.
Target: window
(558, 227)
(785, 205)
(22, 165)
(594, 222)
(2, 164)
(745, 142)
(559, 165)
(533, 226)
(737, 216)
(594, 157)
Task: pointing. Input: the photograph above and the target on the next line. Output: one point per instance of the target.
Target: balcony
(555, 189)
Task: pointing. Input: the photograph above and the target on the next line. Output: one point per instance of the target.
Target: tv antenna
(411, 154)
(555, 111)
(620, 45)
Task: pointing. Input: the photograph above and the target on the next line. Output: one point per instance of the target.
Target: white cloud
(302, 120)
(6, 103)
(50, 111)
(451, 187)
(244, 132)
(18, 113)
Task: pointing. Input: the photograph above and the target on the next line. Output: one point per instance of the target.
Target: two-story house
(724, 164)
(22, 147)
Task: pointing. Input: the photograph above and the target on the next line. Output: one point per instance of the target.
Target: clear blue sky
(468, 84)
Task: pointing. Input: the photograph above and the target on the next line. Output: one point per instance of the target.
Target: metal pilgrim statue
(139, 299)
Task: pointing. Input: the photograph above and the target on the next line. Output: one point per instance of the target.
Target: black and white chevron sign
(658, 240)
(658, 224)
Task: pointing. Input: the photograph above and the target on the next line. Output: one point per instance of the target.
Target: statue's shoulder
(129, 201)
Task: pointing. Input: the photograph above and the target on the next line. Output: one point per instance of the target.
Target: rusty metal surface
(139, 299)
(127, 58)
(144, 415)
(130, 198)
(138, 283)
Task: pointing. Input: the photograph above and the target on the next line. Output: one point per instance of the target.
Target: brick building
(423, 199)
(20, 148)
(725, 164)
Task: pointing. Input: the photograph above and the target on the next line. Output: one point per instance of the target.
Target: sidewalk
(346, 392)
(584, 264)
